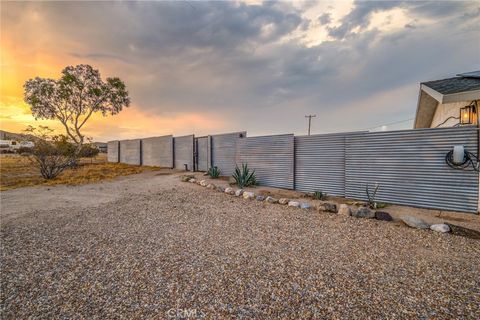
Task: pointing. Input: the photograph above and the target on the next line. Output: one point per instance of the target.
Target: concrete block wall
(130, 151)
(158, 151)
(113, 151)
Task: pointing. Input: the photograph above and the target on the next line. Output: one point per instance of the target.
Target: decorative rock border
(342, 209)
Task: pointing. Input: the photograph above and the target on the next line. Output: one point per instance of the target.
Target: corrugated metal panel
(112, 151)
(158, 151)
(271, 157)
(183, 152)
(320, 163)
(223, 148)
(410, 168)
(202, 153)
(130, 151)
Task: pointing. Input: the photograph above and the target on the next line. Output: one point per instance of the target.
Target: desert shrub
(25, 150)
(244, 177)
(52, 153)
(88, 150)
(214, 172)
(319, 195)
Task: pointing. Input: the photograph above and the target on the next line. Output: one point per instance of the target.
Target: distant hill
(5, 135)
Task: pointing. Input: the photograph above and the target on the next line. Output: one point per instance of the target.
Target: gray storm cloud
(238, 59)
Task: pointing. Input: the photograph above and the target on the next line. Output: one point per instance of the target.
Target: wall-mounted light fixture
(468, 115)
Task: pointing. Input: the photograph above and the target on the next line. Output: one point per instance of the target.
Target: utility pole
(310, 121)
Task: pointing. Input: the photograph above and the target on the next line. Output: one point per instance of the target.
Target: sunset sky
(212, 67)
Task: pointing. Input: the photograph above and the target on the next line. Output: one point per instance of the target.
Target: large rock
(260, 198)
(229, 191)
(440, 227)
(363, 212)
(464, 232)
(305, 205)
(248, 195)
(344, 210)
(382, 215)
(211, 186)
(238, 192)
(193, 180)
(220, 188)
(186, 178)
(283, 201)
(295, 204)
(330, 207)
(203, 183)
(415, 222)
(271, 200)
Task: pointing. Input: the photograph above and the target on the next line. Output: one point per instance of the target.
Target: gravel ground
(166, 246)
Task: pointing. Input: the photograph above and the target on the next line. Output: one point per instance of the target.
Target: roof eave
(453, 97)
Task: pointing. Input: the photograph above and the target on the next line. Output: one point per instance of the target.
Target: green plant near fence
(244, 177)
(214, 172)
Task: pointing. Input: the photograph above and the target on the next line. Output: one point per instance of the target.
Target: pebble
(415, 222)
(295, 204)
(248, 195)
(344, 210)
(440, 227)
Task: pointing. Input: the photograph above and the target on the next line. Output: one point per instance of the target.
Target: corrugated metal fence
(222, 150)
(271, 157)
(408, 165)
(320, 163)
(183, 152)
(410, 168)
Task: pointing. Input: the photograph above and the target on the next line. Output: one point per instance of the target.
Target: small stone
(384, 216)
(283, 201)
(260, 198)
(440, 227)
(330, 207)
(305, 205)
(229, 191)
(295, 204)
(464, 232)
(211, 186)
(186, 178)
(238, 192)
(248, 195)
(364, 212)
(344, 210)
(415, 222)
(193, 180)
(203, 183)
(271, 200)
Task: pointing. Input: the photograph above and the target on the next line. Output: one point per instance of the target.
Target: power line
(388, 124)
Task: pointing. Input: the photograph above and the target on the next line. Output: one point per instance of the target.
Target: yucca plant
(214, 172)
(243, 177)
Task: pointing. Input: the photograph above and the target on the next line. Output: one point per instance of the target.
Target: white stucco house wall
(440, 101)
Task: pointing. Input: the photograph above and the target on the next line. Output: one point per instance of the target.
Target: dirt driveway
(149, 246)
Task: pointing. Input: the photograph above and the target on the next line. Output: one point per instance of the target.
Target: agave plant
(319, 195)
(243, 177)
(214, 172)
